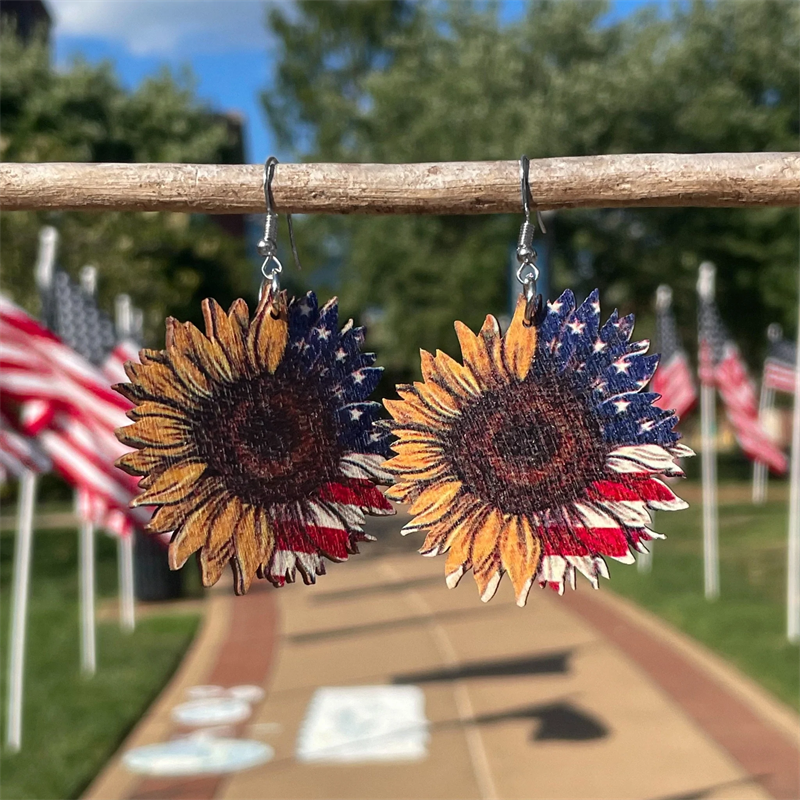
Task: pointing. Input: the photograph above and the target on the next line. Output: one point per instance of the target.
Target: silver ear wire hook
(268, 245)
(528, 272)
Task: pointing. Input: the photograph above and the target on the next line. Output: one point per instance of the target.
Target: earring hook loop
(268, 246)
(527, 198)
(528, 272)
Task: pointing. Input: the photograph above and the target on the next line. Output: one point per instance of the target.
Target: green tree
(407, 82)
(166, 262)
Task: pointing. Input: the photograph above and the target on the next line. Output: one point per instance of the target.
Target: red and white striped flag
(19, 453)
(69, 406)
(779, 368)
(673, 378)
(721, 365)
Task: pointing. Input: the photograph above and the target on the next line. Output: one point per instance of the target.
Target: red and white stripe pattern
(722, 366)
(779, 376)
(69, 406)
(114, 366)
(673, 378)
(780, 367)
(19, 453)
(613, 519)
(738, 394)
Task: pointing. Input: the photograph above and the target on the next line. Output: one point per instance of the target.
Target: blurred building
(28, 18)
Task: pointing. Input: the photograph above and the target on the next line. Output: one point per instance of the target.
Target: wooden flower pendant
(539, 455)
(255, 440)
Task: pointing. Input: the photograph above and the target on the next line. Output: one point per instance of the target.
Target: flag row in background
(58, 413)
(722, 370)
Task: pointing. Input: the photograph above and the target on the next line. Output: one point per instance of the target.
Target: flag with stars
(721, 365)
(780, 366)
(73, 315)
(673, 380)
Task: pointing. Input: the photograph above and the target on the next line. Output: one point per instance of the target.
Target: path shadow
(558, 721)
(547, 664)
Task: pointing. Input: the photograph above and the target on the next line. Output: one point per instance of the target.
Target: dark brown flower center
(271, 439)
(528, 446)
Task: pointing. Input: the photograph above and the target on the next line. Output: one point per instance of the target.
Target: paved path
(576, 697)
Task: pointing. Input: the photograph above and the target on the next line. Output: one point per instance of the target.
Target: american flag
(721, 365)
(780, 366)
(75, 317)
(673, 378)
(87, 329)
(19, 453)
(67, 404)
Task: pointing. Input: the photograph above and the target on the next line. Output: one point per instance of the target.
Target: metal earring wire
(268, 245)
(528, 272)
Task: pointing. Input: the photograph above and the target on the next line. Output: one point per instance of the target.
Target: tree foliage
(166, 262)
(403, 81)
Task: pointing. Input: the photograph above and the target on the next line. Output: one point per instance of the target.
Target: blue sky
(223, 41)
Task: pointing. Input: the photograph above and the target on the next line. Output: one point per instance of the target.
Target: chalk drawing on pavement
(197, 755)
(364, 723)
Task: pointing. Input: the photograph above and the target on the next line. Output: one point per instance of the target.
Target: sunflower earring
(255, 441)
(539, 455)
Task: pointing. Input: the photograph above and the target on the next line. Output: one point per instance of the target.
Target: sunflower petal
(267, 339)
(172, 485)
(438, 398)
(433, 504)
(520, 552)
(458, 560)
(519, 343)
(488, 578)
(192, 533)
(140, 462)
(411, 414)
(206, 353)
(419, 468)
(169, 518)
(152, 408)
(474, 354)
(248, 550)
(219, 548)
(239, 315)
(219, 328)
(456, 376)
(160, 432)
(487, 538)
(157, 382)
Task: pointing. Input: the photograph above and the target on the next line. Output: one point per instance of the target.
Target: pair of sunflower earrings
(538, 455)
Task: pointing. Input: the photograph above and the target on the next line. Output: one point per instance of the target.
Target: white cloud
(165, 27)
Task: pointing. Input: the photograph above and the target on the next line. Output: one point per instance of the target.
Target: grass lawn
(747, 624)
(71, 724)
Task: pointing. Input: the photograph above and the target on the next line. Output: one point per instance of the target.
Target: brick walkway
(575, 697)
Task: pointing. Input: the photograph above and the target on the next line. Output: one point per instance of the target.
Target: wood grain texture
(479, 187)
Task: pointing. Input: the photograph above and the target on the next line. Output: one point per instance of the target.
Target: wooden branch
(479, 187)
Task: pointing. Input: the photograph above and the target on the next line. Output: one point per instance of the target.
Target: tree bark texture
(478, 187)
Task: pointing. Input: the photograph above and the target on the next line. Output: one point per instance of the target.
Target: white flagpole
(765, 404)
(19, 608)
(88, 280)
(705, 289)
(48, 239)
(127, 611)
(760, 470)
(127, 601)
(793, 561)
(88, 635)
